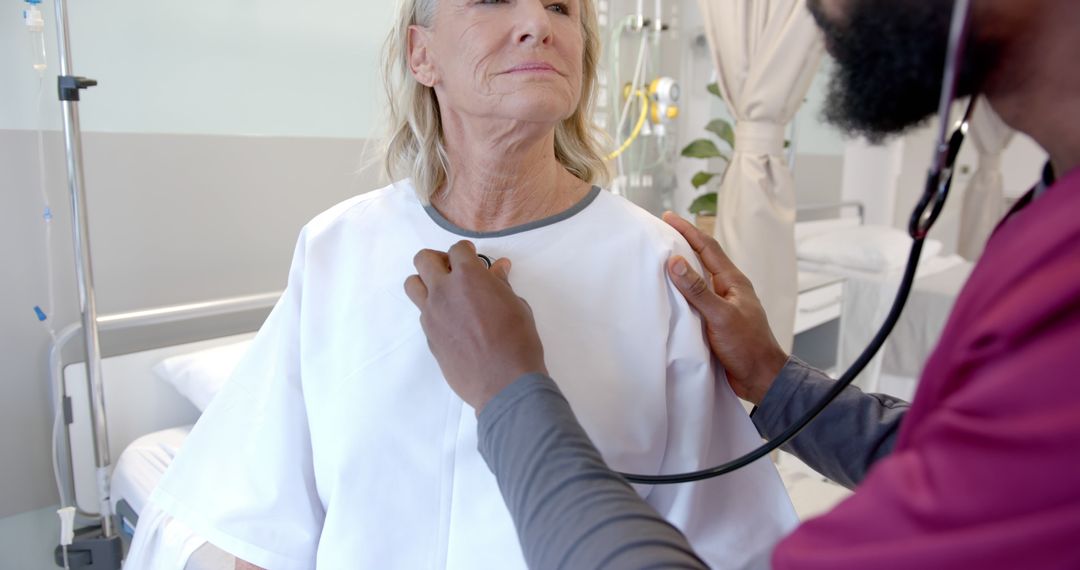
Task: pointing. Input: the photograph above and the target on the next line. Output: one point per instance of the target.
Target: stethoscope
(938, 184)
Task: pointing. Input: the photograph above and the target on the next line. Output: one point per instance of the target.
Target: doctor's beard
(890, 57)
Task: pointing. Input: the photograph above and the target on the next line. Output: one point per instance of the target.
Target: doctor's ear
(420, 62)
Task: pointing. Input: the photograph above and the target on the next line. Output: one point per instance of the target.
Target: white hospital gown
(337, 444)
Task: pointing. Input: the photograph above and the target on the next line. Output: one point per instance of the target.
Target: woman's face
(502, 59)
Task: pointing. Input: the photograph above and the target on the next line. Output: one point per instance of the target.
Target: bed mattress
(866, 303)
(137, 472)
(142, 464)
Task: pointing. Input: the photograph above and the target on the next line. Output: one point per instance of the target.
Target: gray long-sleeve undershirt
(572, 511)
(855, 431)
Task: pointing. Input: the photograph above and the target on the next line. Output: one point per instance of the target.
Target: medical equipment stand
(99, 548)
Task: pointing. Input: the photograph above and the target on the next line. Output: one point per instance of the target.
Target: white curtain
(766, 53)
(984, 199)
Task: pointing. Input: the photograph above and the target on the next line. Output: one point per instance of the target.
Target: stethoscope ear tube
(939, 180)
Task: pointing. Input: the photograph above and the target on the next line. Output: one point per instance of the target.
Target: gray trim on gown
(453, 228)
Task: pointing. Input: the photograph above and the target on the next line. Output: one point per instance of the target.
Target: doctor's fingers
(712, 256)
(462, 255)
(698, 293)
(431, 265)
(501, 269)
(416, 291)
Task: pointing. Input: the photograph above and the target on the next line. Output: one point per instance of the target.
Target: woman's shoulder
(393, 198)
(632, 221)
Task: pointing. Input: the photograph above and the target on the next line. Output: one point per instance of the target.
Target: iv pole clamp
(95, 548)
(68, 86)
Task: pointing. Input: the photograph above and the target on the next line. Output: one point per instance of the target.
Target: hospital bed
(159, 368)
(833, 240)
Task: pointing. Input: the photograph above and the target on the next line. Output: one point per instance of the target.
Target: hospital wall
(217, 130)
(889, 179)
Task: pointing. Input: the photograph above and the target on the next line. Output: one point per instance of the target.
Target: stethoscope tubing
(938, 183)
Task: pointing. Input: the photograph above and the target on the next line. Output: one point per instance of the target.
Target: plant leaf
(722, 129)
(715, 89)
(702, 178)
(704, 204)
(702, 148)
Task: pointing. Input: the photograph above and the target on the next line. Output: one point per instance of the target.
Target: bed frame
(816, 212)
(812, 219)
(136, 402)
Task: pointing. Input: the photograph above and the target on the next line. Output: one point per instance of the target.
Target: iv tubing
(637, 128)
(639, 70)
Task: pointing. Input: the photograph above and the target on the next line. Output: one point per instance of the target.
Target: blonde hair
(415, 146)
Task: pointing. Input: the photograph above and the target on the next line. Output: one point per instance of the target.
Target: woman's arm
(245, 478)
(241, 565)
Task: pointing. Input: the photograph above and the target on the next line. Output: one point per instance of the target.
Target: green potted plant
(704, 206)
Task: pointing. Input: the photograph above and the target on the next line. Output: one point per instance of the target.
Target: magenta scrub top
(986, 471)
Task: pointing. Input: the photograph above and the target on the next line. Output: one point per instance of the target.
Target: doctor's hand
(482, 334)
(737, 328)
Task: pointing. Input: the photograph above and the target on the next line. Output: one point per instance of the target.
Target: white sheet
(135, 475)
(337, 444)
(867, 300)
(865, 248)
(927, 266)
(141, 466)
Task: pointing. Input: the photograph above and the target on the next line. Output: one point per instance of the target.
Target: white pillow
(199, 376)
(867, 248)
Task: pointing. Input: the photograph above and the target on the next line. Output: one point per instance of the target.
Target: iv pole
(97, 550)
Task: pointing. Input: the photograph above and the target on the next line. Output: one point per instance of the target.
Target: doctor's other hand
(482, 334)
(735, 322)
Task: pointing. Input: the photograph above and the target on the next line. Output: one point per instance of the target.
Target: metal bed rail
(62, 466)
(821, 207)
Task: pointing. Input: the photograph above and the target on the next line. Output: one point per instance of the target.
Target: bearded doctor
(980, 471)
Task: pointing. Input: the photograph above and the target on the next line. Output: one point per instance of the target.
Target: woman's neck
(502, 177)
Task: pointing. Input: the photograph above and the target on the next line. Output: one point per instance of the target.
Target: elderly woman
(337, 445)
